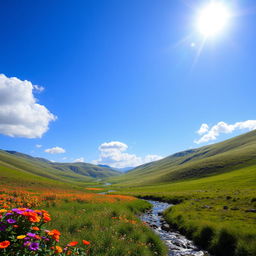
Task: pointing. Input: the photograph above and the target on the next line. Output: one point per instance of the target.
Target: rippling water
(178, 244)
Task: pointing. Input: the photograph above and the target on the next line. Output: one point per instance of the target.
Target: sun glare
(213, 19)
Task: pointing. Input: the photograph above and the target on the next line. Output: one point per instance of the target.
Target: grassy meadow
(109, 222)
(213, 211)
(213, 189)
(112, 228)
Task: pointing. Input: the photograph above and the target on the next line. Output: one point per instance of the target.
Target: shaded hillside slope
(39, 167)
(214, 159)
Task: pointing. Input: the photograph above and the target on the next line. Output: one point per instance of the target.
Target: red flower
(4, 244)
(86, 242)
(73, 243)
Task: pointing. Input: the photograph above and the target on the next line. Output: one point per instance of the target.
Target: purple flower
(17, 211)
(8, 214)
(11, 221)
(34, 246)
(29, 210)
(31, 235)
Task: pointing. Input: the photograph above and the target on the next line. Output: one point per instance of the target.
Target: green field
(214, 211)
(213, 189)
(36, 169)
(113, 228)
(108, 236)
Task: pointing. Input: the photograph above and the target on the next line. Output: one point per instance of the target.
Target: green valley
(213, 189)
(39, 169)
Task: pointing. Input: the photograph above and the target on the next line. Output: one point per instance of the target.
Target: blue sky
(120, 74)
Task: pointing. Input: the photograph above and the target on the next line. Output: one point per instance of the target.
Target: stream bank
(178, 245)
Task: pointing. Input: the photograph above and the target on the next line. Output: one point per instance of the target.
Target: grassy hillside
(109, 222)
(210, 160)
(215, 188)
(35, 169)
(217, 212)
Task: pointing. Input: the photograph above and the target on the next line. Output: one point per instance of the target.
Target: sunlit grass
(109, 222)
(109, 234)
(213, 211)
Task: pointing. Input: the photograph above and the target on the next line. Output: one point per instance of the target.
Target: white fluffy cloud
(211, 133)
(113, 154)
(55, 150)
(20, 114)
(203, 129)
(79, 160)
(38, 146)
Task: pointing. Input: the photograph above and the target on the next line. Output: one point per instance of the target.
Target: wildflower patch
(22, 233)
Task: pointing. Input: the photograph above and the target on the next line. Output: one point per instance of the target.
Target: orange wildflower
(46, 217)
(74, 243)
(57, 249)
(55, 234)
(4, 244)
(86, 242)
(32, 216)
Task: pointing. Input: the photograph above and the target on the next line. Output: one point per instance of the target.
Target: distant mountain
(196, 163)
(125, 169)
(104, 165)
(64, 172)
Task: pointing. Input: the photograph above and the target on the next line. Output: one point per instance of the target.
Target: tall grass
(112, 228)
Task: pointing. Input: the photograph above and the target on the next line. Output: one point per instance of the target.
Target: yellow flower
(21, 237)
(2, 210)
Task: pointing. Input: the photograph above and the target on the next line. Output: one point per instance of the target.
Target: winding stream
(177, 244)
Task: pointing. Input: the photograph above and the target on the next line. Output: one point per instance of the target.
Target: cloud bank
(211, 133)
(79, 160)
(20, 114)
(55, 150)
(113, 154)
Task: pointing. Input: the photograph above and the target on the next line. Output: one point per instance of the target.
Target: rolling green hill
(201, 162)
(14, 164)
(215, 188)
(214, 185)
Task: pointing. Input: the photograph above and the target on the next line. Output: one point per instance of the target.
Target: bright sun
(213, 19)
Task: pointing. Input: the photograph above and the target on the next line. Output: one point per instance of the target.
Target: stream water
(177, 244)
